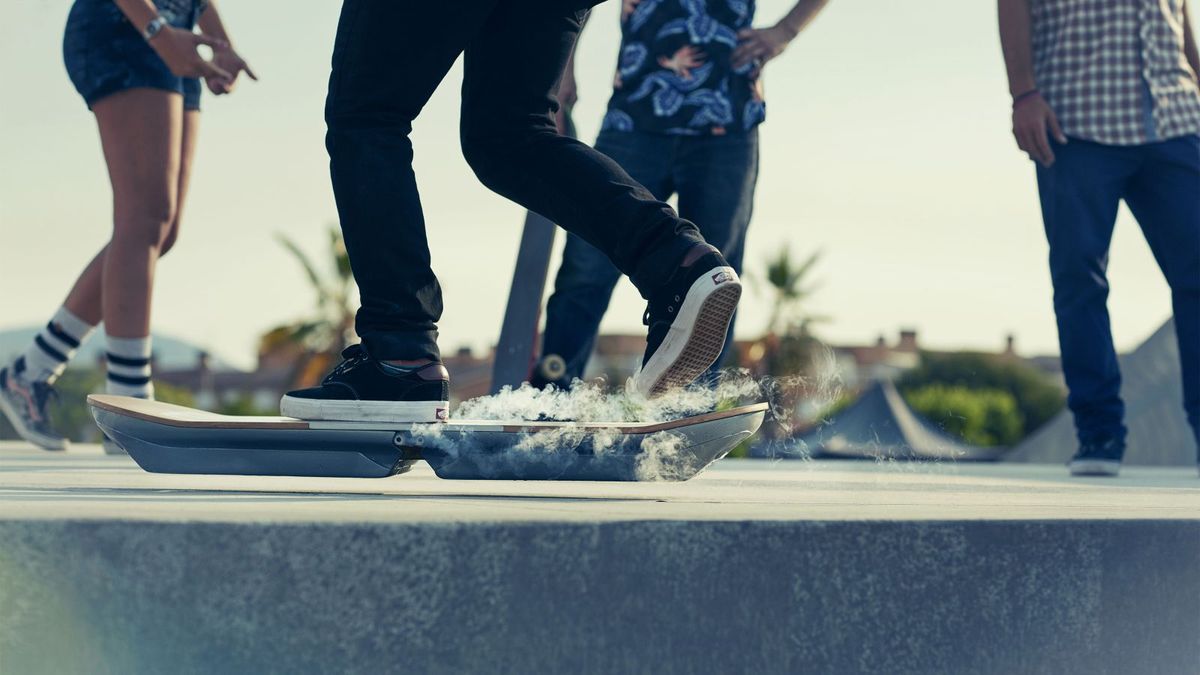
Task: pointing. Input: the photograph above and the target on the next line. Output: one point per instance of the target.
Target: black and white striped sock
(129, 367)
(53, 347)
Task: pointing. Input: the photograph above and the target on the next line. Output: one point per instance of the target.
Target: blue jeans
(1160, 182)
(714, 177)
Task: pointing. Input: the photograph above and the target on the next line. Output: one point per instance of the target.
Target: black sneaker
(688, 319)
(1098, 459)
(360, 390)
(26, 405)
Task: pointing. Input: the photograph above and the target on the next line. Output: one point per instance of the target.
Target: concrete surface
(753, 567)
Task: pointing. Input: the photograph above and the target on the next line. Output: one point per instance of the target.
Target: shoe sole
(1094, 467)
(697, 336)
(18, 424)
(399, 412)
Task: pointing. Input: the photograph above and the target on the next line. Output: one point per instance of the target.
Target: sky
(886, 147)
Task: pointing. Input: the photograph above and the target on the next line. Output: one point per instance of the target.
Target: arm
(176, 47)
(224, 57)
(1032, 116)
(1189, 44)
(764, 44)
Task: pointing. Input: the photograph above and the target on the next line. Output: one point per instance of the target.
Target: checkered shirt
(1114, 71)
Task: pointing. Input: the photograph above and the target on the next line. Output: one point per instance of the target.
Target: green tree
(329, 328)
(1035, 396)
(983, 417)
(790, 287)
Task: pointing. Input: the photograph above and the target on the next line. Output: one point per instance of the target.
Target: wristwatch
(154, 27)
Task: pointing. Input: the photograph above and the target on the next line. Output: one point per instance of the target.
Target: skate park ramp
(880, 425)
(751, 567)
(1152, 388)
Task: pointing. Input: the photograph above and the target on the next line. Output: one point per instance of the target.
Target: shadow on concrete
(19, 494)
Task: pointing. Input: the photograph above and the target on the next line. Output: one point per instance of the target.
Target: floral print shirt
(675, 73)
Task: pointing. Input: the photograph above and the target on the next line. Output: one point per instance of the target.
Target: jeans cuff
(657, 265)
(407, 346)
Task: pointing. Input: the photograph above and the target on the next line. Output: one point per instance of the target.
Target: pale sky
(887, 146)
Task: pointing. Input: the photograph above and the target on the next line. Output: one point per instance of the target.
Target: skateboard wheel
(552, 367)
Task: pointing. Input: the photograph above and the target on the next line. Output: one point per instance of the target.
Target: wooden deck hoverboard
(165, 438)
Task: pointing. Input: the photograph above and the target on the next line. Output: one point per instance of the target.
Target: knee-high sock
(129, 367)
(53, 347)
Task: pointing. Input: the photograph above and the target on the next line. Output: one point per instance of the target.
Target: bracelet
(154, 27)
(1029, 94)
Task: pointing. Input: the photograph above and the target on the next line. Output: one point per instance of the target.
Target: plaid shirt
(1114, 71)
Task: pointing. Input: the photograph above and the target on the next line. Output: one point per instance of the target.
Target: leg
(387, 60)
(1163, 197)
(716, 176)
(511, 73)
(1079, 197)
(586, 277)
(582, 289)
(141, 133)
(85, 299)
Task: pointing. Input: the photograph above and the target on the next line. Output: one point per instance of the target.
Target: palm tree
(319, 338)
(790, 288)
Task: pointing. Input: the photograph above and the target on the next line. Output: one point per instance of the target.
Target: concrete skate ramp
(880, 425)
(753, 567)
(1152, 388)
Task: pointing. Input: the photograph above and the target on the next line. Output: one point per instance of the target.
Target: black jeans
(388, 58)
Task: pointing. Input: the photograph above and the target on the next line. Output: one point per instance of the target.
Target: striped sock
(129, 367)
(53, 347)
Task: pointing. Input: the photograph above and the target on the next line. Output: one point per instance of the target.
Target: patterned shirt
(675, 73)
(1114, 71)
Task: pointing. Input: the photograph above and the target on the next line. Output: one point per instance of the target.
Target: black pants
(389, 57)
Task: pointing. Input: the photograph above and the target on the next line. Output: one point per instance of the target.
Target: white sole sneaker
(696, 337)
(1094, 467)
(18, 423)
(398, 412)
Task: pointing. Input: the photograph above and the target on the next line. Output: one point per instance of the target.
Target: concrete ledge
(320, 593)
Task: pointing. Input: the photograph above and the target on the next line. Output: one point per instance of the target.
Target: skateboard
(165, 438)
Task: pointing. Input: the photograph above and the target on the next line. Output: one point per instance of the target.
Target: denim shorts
(105, 54)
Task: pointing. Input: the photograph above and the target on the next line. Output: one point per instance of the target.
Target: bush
(983, 417)
(1036, 397)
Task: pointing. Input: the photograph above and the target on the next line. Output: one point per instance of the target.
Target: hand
(1032, 119)
(228, 60)
(178, 49)
(761, 45)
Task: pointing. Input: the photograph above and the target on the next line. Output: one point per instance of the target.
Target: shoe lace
(43, 396)
(351, 357)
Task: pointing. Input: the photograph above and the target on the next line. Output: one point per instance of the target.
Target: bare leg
(141, 131)
(86, 298)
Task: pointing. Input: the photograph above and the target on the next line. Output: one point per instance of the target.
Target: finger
(746, 33)
(1042, 140)
(202, 39)
(1057, 130)
(209, 69)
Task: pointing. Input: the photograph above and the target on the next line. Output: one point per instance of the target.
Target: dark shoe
(26, 405)
(360, 389)
(688, 319)
(1098, 459)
